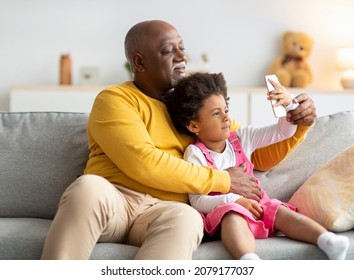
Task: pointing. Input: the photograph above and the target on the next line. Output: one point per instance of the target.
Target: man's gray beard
(174, 82)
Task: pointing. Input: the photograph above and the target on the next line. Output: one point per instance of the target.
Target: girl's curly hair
(184, 102)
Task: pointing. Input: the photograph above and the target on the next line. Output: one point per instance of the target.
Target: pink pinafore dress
(262, 228)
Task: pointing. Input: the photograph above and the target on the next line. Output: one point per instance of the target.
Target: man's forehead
(168, 37)
(160, 34)
(170, 42)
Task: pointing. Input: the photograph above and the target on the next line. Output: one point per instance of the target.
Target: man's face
(164, 58)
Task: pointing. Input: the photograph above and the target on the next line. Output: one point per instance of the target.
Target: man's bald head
(140, 34)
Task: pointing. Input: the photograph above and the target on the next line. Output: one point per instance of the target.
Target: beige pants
(93, 210)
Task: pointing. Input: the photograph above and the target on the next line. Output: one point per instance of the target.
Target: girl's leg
(300, 227)
(237, 237)
(297, 226)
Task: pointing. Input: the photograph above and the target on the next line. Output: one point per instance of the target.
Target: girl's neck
(217, 147)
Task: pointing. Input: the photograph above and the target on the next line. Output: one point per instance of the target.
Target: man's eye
(166, 51)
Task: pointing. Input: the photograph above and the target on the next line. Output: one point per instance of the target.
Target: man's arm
(304, 115)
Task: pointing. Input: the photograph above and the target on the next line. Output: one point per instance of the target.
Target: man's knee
(170, 219)
(185, 219)
(172, 231)
(88, 190)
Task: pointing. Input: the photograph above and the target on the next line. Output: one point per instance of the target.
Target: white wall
(241, 38)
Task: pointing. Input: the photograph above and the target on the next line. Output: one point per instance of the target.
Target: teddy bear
(291, 66)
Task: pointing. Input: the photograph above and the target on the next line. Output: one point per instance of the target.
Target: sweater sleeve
(268, 157)
(253, 137)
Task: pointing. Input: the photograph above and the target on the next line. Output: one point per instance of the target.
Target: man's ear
(138, 62)
(193, 127)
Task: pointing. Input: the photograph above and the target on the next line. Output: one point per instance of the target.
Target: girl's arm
(253, 137)
(207, 203)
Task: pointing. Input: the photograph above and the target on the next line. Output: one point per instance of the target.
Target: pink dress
(262, 228)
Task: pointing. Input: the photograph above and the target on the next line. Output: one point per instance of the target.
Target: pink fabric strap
(210, 160)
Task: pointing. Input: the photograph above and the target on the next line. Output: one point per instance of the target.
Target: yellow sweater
(133, 143)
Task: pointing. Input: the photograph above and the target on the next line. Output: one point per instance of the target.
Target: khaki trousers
(93, 210)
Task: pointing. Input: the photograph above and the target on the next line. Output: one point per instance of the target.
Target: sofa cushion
(329, 136)
(328, 195)
(23, 239)
(41, 154)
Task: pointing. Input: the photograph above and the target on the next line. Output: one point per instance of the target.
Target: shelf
(249, 106)
(53, 98)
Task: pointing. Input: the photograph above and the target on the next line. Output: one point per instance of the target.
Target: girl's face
(213, 124)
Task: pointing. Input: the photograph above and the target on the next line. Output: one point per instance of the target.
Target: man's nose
(181, 55)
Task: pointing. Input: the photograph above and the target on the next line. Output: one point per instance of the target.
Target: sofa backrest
(327, 138)
(40, 155)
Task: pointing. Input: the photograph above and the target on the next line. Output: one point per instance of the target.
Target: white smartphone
(279, 111)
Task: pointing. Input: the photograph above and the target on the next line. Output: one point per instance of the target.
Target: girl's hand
(280, 93)
(252, 206)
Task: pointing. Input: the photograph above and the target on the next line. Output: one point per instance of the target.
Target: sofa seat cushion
(328, 195)
(22, 238)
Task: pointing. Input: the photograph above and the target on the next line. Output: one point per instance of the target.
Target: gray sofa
(42, 153)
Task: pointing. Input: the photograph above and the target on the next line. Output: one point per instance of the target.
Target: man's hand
(305, 113)
(243, 183)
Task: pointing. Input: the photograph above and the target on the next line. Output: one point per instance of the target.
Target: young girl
(198, 106)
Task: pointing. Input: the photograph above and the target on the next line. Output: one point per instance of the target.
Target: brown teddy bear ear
(310, 40)
(285, 38)
(288, 34)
